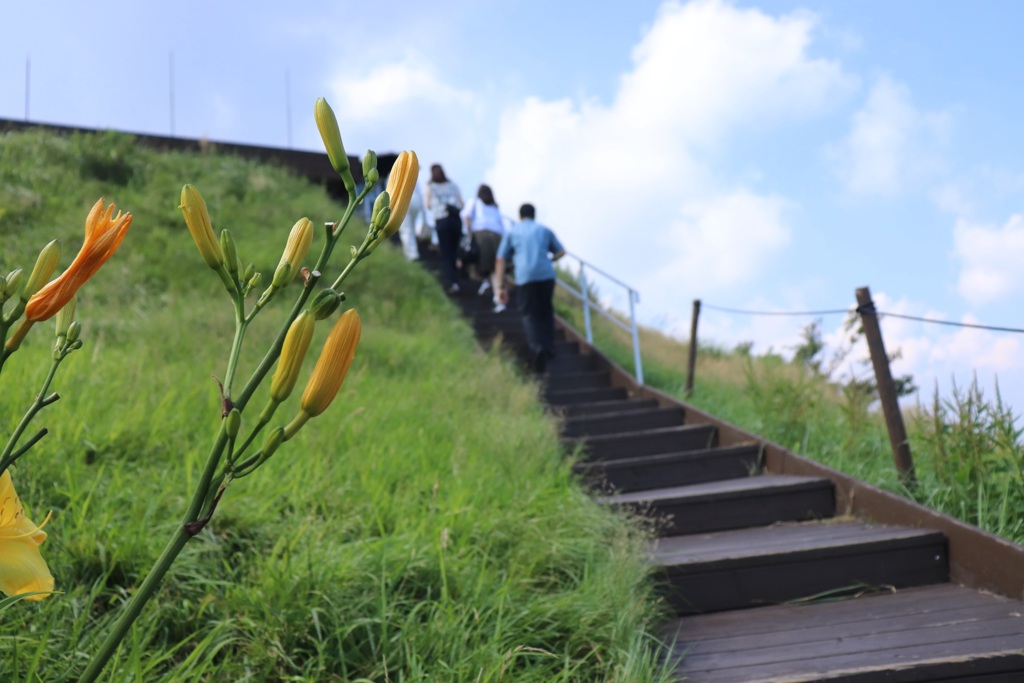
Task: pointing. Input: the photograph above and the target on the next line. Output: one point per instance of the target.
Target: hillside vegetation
(967, 447)
(425, 528)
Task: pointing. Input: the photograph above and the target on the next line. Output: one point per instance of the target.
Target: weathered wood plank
(672, 469)
(647, 442)
(624, 421)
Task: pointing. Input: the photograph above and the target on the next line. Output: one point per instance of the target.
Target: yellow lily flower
(401, 183)
(22, 567)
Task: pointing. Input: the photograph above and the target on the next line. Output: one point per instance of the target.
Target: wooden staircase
(777, 575)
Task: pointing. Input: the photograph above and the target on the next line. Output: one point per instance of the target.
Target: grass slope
(427, 527)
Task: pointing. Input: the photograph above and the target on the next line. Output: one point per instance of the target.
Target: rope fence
(887, 394)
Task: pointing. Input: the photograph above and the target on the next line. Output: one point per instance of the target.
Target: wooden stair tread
(836, 538)
(724, 489)
(932, 633)
(599, 407)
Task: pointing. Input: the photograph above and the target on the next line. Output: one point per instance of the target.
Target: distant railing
(583, 294)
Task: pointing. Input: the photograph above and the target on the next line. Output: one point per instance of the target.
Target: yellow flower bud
(298, 243)
(197, 218)
(293, 351)
(333, 364)
(401, 183)
(46, 263)
(327, 124)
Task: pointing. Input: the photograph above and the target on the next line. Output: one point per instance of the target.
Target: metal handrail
(588, 304)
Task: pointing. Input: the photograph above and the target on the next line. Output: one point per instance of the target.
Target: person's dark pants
(535, 303)
(449, 231)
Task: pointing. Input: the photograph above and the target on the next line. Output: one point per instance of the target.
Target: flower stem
(41, 401)
(135, 605)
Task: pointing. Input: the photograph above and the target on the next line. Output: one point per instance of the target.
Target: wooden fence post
(691, 362)
(886, 388)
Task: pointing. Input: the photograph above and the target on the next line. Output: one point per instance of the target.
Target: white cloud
(406, 104)
(629, 185)
(991, 259)
(890, 142)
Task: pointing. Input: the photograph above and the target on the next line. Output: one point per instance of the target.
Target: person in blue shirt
(532, 249)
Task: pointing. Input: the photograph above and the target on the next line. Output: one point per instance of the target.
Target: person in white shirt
(484, 222)
(444, 201)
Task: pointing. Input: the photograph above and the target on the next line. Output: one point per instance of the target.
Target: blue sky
(769, 155)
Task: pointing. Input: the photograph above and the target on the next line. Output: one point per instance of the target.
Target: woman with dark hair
(444, 201)
(484, 223)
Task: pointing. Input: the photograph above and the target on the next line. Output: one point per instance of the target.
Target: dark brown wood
(876, 637)
(758, 567)
(647, 442)
(600, 407)
(907, 635)
(570, 381)
(732, 503)
(691, 361)
(886, 388)
(562, 398)
(672, 469)
(624, 421)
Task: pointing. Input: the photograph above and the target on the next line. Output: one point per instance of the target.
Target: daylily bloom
(401, 183)
(330, 370)
(103, 234)
(22, 567)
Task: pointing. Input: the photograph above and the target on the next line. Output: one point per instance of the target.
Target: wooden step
(769, 565)
(622, 421)
(599, 407)
(573, 381)
(733, 503)
(672, 469)
(565, 398)
(647, 442)
(935, 633)
(569, 363)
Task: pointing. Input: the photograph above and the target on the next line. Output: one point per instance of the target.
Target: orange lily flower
(103, 234)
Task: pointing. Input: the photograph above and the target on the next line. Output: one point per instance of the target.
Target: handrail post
(586, 303)
(691, 361)
(633, 298)
(886, 388)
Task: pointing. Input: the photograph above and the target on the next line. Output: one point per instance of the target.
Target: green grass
(427, 527)
(967, 447)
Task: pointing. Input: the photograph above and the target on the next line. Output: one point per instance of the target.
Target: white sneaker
(498, 308)
(484, 286)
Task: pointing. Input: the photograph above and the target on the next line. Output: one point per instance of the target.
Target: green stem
(135, 605)
(241, 324)
(41, 401)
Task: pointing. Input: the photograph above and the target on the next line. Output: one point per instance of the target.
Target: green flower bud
(74, 332)
(65, 317)
(372, 177)
(233, 423)
(12, 283)
(274, 440)
(282, 276)
(255, 280)
(327, 124)
(227, 247)
(325, 303)
(382, 202)
(49, 256)
(250, 270)
(369, 164)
